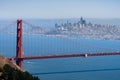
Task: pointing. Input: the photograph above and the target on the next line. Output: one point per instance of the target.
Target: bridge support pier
(19, 49)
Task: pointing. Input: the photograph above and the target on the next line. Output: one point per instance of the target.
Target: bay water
(77, 68)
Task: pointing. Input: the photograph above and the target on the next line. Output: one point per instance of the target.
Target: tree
(9, 73)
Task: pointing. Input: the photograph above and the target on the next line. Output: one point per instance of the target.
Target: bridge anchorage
(19, 50)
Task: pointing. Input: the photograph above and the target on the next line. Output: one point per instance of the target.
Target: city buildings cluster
(88, 30)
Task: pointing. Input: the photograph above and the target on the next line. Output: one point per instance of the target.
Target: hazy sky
(59, 8)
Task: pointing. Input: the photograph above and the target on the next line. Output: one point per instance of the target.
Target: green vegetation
(9, 73)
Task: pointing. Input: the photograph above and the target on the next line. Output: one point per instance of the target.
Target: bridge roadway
(67, 55)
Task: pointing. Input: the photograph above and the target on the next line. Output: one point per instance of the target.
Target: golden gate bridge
(19, 47)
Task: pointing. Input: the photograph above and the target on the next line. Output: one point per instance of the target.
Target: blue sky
(59, 9)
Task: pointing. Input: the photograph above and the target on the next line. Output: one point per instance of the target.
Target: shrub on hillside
(9, 73)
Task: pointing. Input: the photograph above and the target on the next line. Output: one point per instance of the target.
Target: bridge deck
(68, 55)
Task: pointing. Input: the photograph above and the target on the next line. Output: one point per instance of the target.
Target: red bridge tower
(19, 48)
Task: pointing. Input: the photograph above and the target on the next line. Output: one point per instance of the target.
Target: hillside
(10, 71)
(4, 61)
